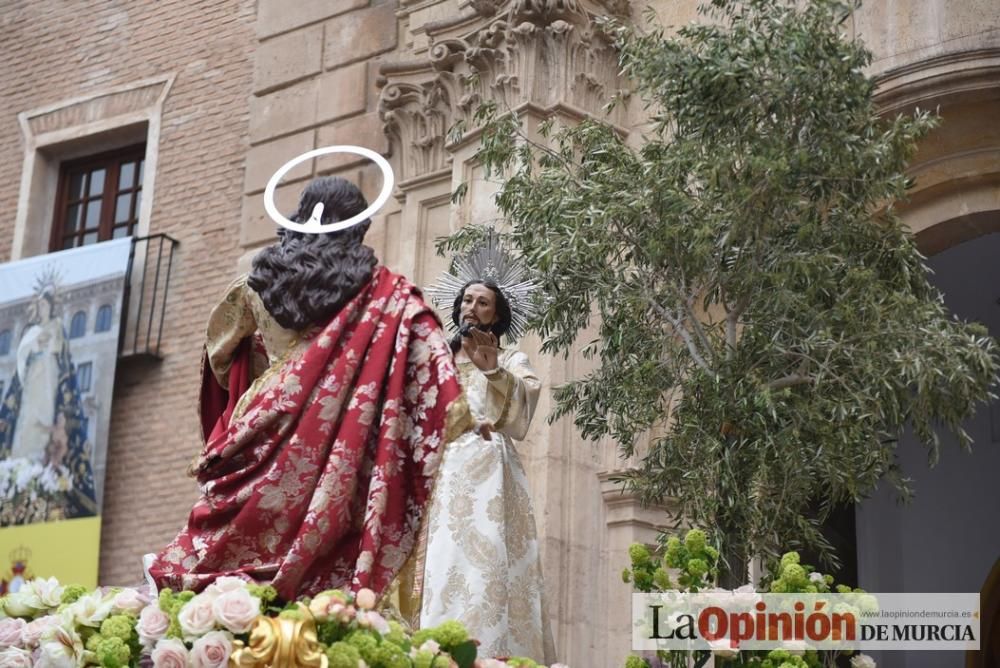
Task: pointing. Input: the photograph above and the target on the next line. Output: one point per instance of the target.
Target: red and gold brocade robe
(316, 474)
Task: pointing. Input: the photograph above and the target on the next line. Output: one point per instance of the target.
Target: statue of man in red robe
(329, 393)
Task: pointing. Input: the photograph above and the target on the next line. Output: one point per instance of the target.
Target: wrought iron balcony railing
(144, 303)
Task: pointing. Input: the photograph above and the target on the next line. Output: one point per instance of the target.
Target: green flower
(397, 635)
(291, 613)
(389, 655)
(790, 558)
(643, 580)
(72, 592)
(111, 652)
(626, 576)
(639, 554)
(421, 659)
(343, 655)
(441, 662)
(697, 567)
(117, 626)
(266, 593)
(793, 573)
(422, 636)
(675, 552)
(695, 541)
(521, 662)
(365, 643)
(449, 634)
(634, 661)
(661, 578)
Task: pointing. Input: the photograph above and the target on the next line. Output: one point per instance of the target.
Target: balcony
(144, 303)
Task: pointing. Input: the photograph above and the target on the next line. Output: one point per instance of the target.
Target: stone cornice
(933, 81)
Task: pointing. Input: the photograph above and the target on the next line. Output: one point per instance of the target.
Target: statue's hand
(485, 430)
(481, 347)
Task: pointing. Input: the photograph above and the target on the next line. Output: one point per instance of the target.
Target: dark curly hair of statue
(305, 279)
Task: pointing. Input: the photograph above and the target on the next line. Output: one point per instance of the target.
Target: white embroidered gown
(482, 564)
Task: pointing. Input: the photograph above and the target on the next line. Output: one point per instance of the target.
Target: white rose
(24, 603)
(236, 610)
(170, 653)
(90, 609)
(224, 584)
(10, 632)
(816, 578)
(378, 622)
(153, 625)
(129, 600)
(431, 646)
(60, 648)
(12, 657)
(32, 633)
(48, 591)
(196, 617)
(862, 661)
(212, 650)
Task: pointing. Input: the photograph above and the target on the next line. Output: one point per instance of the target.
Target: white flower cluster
(36, 629)
(19, 476)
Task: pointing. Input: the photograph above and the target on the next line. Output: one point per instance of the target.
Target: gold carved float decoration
(277, 642)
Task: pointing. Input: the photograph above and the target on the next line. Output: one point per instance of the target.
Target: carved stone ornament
(280, 643)
(545, 53)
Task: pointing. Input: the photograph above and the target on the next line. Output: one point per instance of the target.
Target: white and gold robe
(482, 565)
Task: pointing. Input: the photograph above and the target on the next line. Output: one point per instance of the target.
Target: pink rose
(153, 625)
(170, 653)
(12, 657)
(365, 599)
(320, 606)
(196, 617)
(431, 646)
(236, 610)
(129, 600)
(212, 650)
(369, 619)
(10, 632)
(31, 634)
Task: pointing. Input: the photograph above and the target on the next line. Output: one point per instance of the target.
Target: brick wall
(53, 51)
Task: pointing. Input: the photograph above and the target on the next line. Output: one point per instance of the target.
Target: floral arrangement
(48, 625)
(694, 562)
(31, 492)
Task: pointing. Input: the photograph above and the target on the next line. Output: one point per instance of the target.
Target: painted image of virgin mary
(45, 469)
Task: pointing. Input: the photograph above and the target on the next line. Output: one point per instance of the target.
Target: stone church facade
(221, 94)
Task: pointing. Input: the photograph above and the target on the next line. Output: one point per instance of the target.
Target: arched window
(4, 342)
(78, 325)
(103, 319)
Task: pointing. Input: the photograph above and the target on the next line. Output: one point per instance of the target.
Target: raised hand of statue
(485, 430)
(481, 347)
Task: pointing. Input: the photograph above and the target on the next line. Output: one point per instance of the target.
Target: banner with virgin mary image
(59, 327)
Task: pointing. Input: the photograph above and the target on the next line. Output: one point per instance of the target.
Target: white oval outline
(313, 225)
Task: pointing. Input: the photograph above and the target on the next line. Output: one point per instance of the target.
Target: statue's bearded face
(479, 305)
